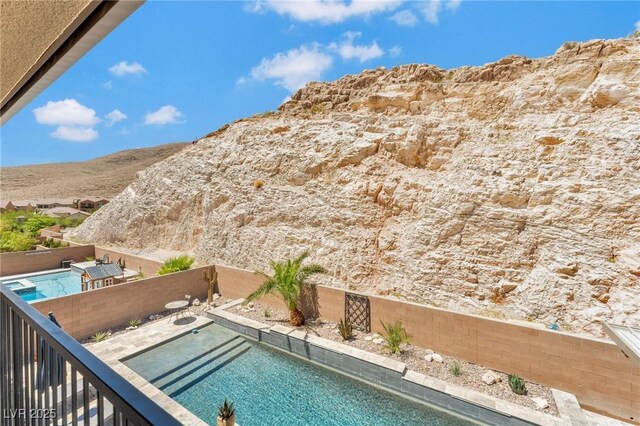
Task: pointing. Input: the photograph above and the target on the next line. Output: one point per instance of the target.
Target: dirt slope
(105, 176)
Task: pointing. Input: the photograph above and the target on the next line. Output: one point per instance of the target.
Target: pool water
(270, 387)
(48, 285)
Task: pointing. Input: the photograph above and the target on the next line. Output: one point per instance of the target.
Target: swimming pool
(45, 286)
(270, 387)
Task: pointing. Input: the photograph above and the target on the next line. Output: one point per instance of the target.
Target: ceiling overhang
(41, 40)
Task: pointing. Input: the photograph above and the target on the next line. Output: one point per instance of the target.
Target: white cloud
(453, 4)
(430, 10)
(637, 25)
(325, 11)
(107, 85)
(395, 51)
(124, 68)
(405, 18)
(167, 114)
(115, 116)
(347, 50)
(295, 68)
(75, 133)
(68, 112)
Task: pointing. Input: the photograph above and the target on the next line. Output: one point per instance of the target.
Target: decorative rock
(491, 378)
(250, 305)
(428, 357)
(196, 302)
(216, 296)
(429, 352)
(541, 403)
(437, 358)
(368, 338)
(378, 340)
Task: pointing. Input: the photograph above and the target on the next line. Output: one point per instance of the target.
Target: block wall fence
(23, 262)
(83, 314)
(596, 371)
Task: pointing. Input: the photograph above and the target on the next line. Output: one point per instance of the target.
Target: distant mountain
(105, 176)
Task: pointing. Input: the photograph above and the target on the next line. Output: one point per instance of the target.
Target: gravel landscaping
(414, 357)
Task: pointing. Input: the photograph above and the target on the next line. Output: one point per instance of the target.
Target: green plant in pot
(287, 281)
(226, 414)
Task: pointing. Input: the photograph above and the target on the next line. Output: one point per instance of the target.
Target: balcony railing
(47, 377)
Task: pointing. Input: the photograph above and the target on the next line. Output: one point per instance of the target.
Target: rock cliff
(510, 189)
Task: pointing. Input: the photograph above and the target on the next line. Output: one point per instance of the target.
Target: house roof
(57, 211)
(106, 270)
(92, 198)
(68, 201)
(5, 203)
(21, 203)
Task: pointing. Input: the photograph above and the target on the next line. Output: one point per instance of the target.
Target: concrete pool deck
(115, 349)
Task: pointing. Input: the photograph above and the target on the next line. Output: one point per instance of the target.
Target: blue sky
(174, 71)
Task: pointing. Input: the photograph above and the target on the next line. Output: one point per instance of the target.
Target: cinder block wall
(596, 371)
(23, 262)
(83, 314)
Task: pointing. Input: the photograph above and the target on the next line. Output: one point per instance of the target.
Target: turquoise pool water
(269, 387)
(47, 286)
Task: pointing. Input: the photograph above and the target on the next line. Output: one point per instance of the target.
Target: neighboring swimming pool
(270, 387)
(44, 286)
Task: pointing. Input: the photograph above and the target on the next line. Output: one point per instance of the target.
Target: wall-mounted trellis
(357, 310)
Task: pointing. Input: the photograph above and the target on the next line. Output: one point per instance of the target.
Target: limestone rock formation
(510, 190)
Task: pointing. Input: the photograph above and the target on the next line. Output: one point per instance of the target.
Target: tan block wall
(596, 371)
(149, 267)
(23, 262)
(86, 313)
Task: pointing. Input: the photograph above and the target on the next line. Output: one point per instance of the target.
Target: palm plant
(287, 281)
(176, 264)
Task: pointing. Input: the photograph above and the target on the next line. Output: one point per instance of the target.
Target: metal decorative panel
(357, 311)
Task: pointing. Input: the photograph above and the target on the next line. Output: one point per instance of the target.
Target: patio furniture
(176, 308)
(188, 299)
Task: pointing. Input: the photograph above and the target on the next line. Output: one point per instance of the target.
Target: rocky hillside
(510, 190)
(105, 176)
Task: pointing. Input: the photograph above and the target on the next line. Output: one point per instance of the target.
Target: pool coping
(33, 274)
(392, 374)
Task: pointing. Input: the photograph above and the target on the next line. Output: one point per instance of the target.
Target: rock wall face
(511, 189)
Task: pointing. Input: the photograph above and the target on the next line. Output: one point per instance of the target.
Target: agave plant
(517, 384)
(226, 410)
(99, 336)
(134, 322)
(346, 329)
(288, 279)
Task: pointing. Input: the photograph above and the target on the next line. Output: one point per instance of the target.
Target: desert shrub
(258, 183)
(16, 241)
(394, 335)
(455, 369)
(346, 329)
(176, 264)
(517, 384)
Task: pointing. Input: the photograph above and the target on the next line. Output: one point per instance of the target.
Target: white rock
(429, 352)
(490, 378)
(250, 305)
(196, 302)
(428, 357)
(368, 338)
(541, 403)
(215, 296)
(437, 358)
(378, 340)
